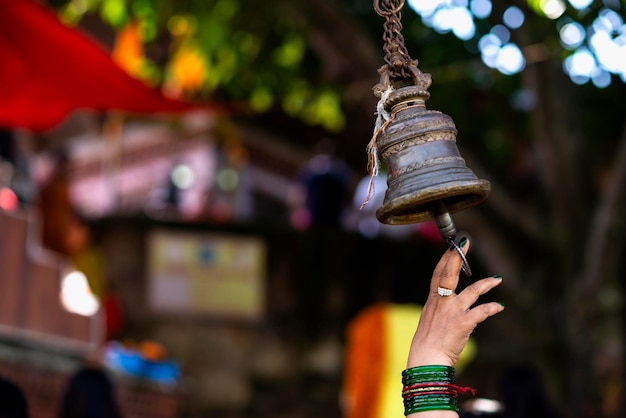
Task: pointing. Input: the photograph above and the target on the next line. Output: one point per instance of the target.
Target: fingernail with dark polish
(501, 304)
(497, 276)
(463, 242)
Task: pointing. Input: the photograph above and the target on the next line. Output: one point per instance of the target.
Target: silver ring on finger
(443, 291)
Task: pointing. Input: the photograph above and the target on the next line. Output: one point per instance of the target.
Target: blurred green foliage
(254, 52)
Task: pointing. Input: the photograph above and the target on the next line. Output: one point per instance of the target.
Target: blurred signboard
(206, 273)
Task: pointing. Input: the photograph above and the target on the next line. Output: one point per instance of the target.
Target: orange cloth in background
(364, 363)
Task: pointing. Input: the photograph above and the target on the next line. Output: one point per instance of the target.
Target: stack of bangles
(430, 388)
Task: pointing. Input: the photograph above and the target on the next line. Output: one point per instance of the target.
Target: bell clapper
(448, 232)
(444, 221)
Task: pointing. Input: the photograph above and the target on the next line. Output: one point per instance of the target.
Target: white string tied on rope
(382, 120)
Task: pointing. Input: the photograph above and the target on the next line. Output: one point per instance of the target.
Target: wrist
(426, 359)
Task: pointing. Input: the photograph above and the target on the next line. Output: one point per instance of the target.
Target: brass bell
(426, 176)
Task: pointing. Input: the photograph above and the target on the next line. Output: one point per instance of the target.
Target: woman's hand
(446, 322)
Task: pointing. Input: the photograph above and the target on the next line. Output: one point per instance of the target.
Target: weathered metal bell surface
(424, 166)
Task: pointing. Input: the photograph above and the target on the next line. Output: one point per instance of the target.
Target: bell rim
(476, 190)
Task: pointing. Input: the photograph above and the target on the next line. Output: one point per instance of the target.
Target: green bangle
(427, 374)
(425, 379)
(430, 398)
(430, 408)
(429, 368)
(433, 403)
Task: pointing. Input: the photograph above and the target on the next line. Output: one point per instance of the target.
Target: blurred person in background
(524, 395)
(90, 393)
(60, 223)
(320, 196)
(13, 402)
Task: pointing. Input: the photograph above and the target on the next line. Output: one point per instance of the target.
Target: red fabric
(48, 69)
(113, 317)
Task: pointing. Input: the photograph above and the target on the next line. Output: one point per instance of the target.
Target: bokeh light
(580, 65)
(76, 295)
(513, 17)
(553, 9)
(597, 51)
(182, 176)
(8, 199)
(481, 8)
(510, 59)
(572, 35)
(580, 4)
(227, 179)
(502, 33)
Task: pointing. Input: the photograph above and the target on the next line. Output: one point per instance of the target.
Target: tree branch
(506, 207)
(605, 216)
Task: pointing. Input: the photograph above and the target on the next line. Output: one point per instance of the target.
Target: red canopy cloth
(48, 69)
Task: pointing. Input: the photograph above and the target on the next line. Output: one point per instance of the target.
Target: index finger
(446, 273)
